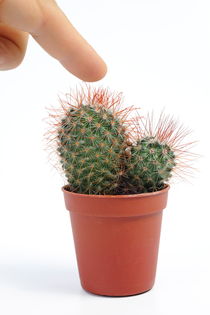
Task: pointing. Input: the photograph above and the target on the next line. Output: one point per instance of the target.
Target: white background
(158, 54)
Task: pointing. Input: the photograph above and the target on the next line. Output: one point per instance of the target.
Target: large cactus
(91, 142)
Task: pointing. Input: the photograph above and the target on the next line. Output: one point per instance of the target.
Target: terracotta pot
(116, 240)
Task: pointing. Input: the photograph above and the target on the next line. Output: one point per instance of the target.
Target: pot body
(116, 240)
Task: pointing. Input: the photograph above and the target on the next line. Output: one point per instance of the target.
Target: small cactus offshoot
(158, 152)
(149, 166)
(101, 151)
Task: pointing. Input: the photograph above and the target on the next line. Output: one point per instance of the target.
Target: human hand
(48, 25)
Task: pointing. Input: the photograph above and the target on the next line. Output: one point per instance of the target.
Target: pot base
(116, 295)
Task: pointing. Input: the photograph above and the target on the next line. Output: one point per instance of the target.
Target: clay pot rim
(133, 196)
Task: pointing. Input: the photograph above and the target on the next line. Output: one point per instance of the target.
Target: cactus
(157, 152)
(149, 166)
(91, 139)
(102, 152)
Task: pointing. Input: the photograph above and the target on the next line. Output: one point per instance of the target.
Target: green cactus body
(149, 165)
(91, 142)
(104, 152)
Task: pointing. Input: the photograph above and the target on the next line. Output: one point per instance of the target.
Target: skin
(48, 25)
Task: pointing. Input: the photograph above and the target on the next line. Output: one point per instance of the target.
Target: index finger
(60, 39)
(52, 30)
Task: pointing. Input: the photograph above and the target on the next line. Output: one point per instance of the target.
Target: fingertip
(91, 71)
(95, 74)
